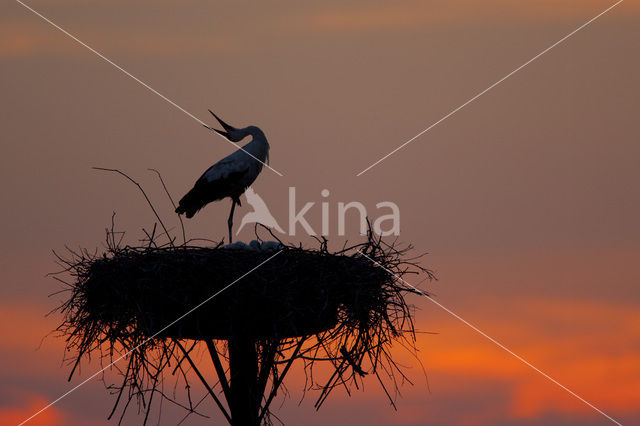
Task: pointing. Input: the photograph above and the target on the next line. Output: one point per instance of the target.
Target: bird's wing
(224, 169)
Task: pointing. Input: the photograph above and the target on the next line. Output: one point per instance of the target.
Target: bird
(232, 175)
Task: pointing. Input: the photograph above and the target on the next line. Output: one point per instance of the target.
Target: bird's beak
(226, 127)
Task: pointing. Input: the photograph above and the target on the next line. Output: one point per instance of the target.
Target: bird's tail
(200, 195)
(190, 203)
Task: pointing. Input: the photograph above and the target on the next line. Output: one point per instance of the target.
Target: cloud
(25, 405)
(410, 15)
(40, 38)
(592, 351)
(167, 30)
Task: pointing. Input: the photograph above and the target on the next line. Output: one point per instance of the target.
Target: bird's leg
(230, 220)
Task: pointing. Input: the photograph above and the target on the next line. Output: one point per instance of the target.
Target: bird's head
(231, 133)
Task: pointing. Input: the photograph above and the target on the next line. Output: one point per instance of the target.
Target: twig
(141, 190)
(184, 236)
(204, 382)
(222, 377)
(276, 385)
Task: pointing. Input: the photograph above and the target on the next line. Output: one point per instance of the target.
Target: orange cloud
(41, 38)
(28, 407)
(598, 359)
(34, 326)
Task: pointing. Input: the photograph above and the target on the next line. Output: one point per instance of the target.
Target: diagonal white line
(88, 379)
(506, 349)
(139, 81)
(491, 87)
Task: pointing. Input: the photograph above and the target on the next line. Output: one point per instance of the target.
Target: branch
(143, 193)
(204, 382)
(184, 237)
(220, 370)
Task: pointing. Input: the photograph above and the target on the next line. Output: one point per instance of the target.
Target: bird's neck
(258, 146)
(255, 132)
(258, 137)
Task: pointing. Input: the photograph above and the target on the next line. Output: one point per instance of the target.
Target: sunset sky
(527, 200)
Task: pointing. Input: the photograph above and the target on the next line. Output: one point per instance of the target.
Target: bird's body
(231, 176)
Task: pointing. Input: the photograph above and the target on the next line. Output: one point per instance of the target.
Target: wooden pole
(243, 366)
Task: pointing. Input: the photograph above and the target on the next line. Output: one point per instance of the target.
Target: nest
(292, 293)
(153, 304)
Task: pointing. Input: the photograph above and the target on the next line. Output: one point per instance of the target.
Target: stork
(232, 175)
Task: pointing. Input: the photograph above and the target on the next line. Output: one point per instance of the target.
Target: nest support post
(244, 395)
(244, 391)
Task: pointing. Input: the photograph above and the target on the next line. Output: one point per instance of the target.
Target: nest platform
(292, 293)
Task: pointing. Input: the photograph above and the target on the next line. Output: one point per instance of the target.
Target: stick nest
(293, 293)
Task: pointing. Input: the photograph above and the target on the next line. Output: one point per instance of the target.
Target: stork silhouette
(232, 175)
